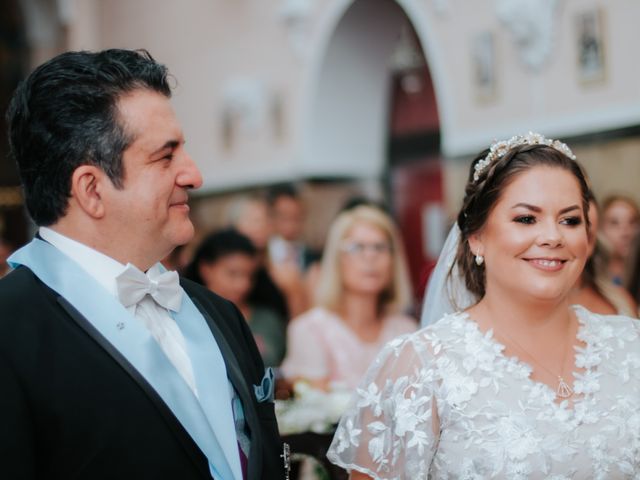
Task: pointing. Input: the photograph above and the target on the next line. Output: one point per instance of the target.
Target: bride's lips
(547, 264)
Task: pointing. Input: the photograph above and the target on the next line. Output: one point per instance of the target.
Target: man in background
(288, 214)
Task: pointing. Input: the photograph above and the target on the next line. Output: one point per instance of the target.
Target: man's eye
(526, 219)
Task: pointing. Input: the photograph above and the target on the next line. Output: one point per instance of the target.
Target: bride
(515, 383)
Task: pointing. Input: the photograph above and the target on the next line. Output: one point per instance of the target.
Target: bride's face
(535, 240)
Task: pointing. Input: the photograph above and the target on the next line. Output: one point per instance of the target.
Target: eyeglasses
(357, 249)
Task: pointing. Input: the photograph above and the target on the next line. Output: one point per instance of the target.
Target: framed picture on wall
(483, 67)
(590, 39)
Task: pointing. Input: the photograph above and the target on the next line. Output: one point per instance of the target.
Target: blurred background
(381, 99)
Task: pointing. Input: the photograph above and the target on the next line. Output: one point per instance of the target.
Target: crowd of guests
(322, 317)
(319, 317)
(530, 368)
(341, 319)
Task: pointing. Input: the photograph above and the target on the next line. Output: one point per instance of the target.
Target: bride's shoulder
(449, 322)
(448, 328)
(607, 326)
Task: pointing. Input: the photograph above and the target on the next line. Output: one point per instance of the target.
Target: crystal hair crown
(499, 149)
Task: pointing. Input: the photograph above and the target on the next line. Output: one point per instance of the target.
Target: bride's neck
(524, 317)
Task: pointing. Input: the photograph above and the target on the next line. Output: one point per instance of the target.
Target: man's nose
(189, 176)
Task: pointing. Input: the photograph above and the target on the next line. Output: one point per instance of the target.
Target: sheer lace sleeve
(388, 430)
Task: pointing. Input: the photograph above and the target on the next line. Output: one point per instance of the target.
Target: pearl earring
(479, 259)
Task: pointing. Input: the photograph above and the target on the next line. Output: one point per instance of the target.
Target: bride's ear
(475, 244)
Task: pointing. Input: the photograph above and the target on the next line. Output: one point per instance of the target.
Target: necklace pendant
(563, 390)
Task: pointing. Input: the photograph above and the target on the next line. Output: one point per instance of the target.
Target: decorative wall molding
(295, 15)
(531, 24)
(244, 109)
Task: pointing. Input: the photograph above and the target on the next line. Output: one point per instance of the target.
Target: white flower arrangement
(311, 409)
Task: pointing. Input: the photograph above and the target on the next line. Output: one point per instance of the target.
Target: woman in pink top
(362, 291)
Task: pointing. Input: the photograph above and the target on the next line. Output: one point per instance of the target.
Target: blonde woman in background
(362, 292)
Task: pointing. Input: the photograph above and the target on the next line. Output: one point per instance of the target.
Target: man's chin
(184, 235)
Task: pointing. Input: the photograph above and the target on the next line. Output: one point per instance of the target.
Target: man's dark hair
(65, 115)
(282, 190)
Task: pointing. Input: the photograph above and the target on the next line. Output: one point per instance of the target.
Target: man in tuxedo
(110, 366)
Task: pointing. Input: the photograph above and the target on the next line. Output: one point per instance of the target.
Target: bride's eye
(526, 219)
(571, 221)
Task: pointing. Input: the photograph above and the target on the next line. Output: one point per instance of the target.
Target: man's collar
(101, 267)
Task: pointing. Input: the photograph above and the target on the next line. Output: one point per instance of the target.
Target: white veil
(446, 293)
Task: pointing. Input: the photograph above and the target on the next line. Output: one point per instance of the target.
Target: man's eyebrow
(171, 144)
(533, 208)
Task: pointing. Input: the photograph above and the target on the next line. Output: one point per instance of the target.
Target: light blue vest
(209, 418)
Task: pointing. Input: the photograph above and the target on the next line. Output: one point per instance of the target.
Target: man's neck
(102, 244)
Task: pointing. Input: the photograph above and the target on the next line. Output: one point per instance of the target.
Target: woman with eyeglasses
(362, 291)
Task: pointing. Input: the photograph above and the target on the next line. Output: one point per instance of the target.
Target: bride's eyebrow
(536, 209)
(569, 209)
(528, 206)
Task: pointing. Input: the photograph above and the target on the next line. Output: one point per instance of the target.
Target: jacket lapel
(210, 363)
(195, 454)
(130, 338)
(239, 381)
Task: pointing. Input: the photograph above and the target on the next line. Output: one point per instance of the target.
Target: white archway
(347, 93)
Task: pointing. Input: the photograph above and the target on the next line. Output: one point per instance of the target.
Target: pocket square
(265, 391)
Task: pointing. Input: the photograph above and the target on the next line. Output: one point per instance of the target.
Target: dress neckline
(581, 336)
(377, 343)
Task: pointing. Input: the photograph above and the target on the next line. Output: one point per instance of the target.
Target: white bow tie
(164, 288)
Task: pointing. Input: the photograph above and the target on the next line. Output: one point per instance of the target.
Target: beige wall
(613, 167)
(244, 56)
(550, 99)
(245, 51)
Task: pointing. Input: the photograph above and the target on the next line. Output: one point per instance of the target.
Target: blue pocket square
(265, 391)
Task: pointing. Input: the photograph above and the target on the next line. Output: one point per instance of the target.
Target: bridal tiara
(499, 149)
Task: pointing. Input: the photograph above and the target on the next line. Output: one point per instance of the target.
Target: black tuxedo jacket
(72, 407)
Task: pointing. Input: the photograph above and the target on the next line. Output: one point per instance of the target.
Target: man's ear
(87, 188)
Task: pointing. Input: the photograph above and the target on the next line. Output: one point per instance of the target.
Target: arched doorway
(373, 114)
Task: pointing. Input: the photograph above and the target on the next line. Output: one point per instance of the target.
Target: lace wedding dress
(494, 420)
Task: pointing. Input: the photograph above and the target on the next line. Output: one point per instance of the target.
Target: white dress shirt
(155, 318)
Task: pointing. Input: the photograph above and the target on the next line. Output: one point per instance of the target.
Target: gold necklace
(563, 389)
